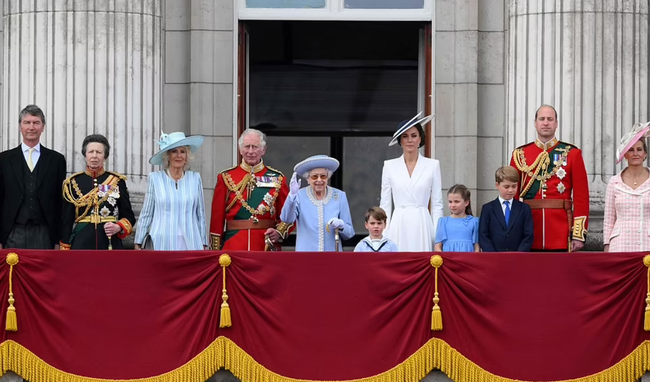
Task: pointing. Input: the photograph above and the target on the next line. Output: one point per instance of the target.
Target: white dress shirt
(35, 155)
(503, 206)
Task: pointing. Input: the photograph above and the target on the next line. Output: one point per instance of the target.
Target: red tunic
(247, 195)
(557, 172)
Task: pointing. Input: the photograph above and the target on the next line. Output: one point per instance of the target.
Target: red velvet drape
(327, 316)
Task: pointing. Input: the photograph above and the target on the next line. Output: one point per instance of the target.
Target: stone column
(456, 92)
(93, 67)
(210, 85)
(589, 59)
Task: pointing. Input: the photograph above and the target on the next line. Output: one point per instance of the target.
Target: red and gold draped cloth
(316, 316)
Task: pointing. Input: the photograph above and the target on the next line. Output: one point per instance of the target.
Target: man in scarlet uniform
(248, 200)
(550, 173)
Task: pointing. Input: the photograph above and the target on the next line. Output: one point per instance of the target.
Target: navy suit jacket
(495, 236)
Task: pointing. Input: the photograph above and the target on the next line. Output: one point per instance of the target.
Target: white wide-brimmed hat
(405, 125)
(316, 161)
(639, 131)
(171, 141)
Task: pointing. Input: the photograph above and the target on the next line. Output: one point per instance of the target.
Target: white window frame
(334, 10)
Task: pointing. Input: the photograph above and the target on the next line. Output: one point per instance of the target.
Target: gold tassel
(225, 321)
(646, 323)
(436, 313)
(12, 320)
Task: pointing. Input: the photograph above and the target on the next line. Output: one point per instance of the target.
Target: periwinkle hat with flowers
(405, 125)
(171, 141)
(639, 131)
(316, 161)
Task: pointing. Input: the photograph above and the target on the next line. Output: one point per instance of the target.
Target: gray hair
(307, 173)
(260, 134)
(167, 162)
(31, 110)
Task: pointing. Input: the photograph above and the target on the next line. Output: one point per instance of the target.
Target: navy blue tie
(507, 203)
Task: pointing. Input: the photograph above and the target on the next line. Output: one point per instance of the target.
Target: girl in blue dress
(458, 232)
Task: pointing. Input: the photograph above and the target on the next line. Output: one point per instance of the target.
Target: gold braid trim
(238, 188)
(539, 166)
(87, 201)
(531, 171)
(223, 353)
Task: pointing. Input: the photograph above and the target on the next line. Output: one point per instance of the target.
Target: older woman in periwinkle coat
(318, 209)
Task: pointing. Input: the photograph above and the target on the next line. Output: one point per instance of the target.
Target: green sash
(557, 151)
(256, 198)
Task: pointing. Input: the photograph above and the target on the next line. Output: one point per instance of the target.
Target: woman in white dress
(174, 210)
(409, 185)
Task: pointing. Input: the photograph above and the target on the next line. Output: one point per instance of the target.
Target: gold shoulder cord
(237, 189)
(531, 171)
(82, 200)
(540, 165)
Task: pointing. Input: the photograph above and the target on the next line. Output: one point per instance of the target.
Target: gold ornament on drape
(225, 321)
(436, 313)
(12, 321)
(646, 324)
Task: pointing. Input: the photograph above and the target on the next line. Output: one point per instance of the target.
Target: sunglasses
(316, 176)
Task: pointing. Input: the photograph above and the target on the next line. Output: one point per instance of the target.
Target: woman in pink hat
(626, 227)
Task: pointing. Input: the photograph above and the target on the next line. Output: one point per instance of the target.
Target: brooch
(560, 187)
(561, 173)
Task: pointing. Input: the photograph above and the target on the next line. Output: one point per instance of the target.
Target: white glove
(294, 185)
(335, 223)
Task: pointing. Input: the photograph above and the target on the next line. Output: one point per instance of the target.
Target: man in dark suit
(506, 224)
(31, 177)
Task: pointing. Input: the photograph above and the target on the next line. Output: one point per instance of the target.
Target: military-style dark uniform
(93, 199)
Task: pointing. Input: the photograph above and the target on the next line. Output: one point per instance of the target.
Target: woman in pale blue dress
(459, 231)
(173, 213)
(318, 210)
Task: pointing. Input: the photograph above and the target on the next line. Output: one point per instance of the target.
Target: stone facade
(131, 68)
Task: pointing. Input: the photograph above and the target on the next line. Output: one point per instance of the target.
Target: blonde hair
(506, 173)
(166, 162)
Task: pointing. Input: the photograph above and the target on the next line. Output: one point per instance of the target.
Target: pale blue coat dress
(311, 217)
(173, 213)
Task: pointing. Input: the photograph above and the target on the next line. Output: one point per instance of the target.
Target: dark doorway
(336, 88)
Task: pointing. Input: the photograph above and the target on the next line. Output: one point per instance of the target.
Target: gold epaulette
(276, 170)
(228, 169)
(524, 145)
(569, 144)
(117, 174)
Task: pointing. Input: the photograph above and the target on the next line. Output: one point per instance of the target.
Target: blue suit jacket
(495, 236)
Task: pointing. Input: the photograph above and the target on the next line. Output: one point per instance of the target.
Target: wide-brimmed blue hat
(405, 125)
(171, 141)
(316, 161)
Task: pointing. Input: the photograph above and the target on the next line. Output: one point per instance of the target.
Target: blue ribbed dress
(173, 215)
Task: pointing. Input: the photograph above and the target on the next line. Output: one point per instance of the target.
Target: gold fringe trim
(11, 324)
(224, 353)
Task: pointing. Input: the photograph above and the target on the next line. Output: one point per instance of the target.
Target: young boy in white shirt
(376, 242)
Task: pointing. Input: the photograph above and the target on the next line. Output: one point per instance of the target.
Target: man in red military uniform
(248, 200)
(550, 173)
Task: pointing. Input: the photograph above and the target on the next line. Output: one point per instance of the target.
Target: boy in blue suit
(506, 224)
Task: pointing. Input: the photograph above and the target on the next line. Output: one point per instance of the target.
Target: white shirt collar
(501, 200)
(37, 148)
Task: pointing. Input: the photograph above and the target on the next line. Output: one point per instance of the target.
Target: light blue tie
(507, 203)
